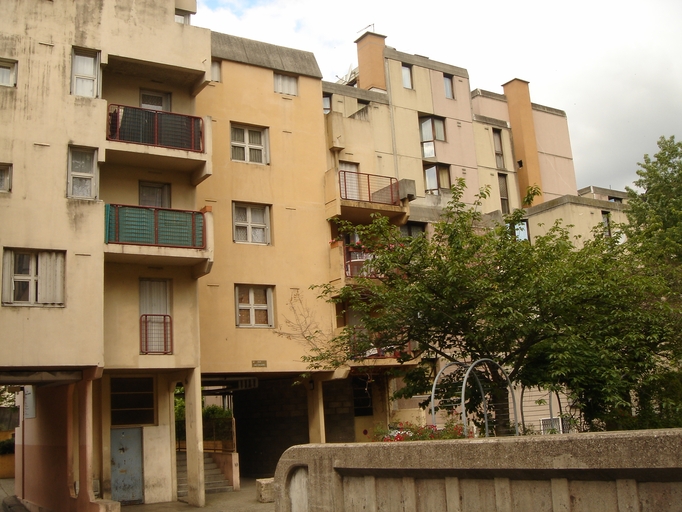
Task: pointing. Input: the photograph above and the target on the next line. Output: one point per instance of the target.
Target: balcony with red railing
(355, 196)
(154, 235)
(155, 128)
(357, 262)
(161, 140)
(156, 334)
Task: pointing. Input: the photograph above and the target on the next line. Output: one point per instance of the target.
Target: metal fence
(146, 225)
(156, 334)
(155, 128)
(372, 188)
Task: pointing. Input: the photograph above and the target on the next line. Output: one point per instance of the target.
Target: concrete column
(628, 496)
(452, 495)
(316, 432)
(195, 443)
(85, 439)
(503, 501)
(561, 497)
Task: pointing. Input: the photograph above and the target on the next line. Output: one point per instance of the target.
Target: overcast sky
(615, 68)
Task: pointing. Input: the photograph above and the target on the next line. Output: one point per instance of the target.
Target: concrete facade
(83, 159)
(636, 471)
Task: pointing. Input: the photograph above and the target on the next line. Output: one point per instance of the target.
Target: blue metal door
(126, 465)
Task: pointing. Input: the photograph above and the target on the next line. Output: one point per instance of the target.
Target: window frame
(248, 145)
(249, 224)
(606, 222)
(216, 71)
(139, 410)
(440, 171)
(407, 78)
(428, 140)
(498, 148)
(165, 196)
(165, 98)
(182, 17)
(285, 84)
(449, 85)
(252, 307)
(71, 174)
(5, 178)
(504, 194)
(96, 77)
(46, 278)
(12, 66)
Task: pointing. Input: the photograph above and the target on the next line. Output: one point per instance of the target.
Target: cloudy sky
(614, 67)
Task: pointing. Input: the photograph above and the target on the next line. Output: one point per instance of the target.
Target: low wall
(636, 471)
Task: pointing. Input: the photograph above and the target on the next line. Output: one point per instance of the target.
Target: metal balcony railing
(355, 263)
(372, 188)
(146, 225)
(156, 334)
(155, 128)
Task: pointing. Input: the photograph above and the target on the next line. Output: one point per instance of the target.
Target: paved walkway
(243, 500)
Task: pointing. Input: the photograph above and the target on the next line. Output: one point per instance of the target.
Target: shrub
(406, 431)
(7, 446)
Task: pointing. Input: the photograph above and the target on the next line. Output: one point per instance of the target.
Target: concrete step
(214, 480)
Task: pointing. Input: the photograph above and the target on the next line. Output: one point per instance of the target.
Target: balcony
(156, 334)
(155, 128)
(151, 235)
(355, 260)
(356, 196)
(357, 186)
(158, 140)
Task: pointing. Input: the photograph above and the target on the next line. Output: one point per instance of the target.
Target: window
(154, 100)
(412, 229)
(5, 177)
(249, 144)
(8, 73)
(606, 221)
(504, 193)
(132, 401)
(32, 278)
(85, 73)
(436, 177)
(326, 104)
(215, 71)
(251, 223)
(521, 230)
(362, 397)
(497, 142)
(82, 180)
(449, 87)
(430, 130)
(156, 328)
(285, 84)
(182, 17)
(254, 306)
(614, 199)
(155, 194)
(407, 76)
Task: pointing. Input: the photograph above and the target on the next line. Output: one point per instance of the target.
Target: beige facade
(102, 244)
(166, 205)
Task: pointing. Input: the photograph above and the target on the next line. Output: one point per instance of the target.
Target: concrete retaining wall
(639, 471)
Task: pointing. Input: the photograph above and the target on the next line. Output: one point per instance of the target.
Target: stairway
(214, 480)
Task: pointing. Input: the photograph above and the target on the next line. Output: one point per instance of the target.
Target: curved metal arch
(480, 387)
(466, 376)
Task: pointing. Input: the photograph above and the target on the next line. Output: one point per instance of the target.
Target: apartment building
(102, 245)
(125, 136)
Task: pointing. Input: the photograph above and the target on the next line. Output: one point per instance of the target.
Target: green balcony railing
(146, 225)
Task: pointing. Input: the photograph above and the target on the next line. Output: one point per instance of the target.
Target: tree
(591, 320)
(655, 210)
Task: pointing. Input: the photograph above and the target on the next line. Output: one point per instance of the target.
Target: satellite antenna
(370, 25)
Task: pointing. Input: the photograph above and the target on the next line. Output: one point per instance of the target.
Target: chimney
(523, 136)
(371, 61)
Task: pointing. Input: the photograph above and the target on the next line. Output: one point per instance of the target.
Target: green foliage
(655, 210)
(595, 321)
(7, 446)
(215, 411)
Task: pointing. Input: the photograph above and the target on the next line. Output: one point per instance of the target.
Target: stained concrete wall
(614, 471)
